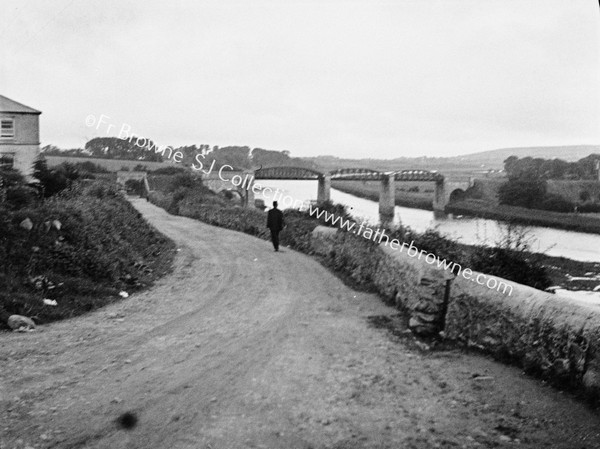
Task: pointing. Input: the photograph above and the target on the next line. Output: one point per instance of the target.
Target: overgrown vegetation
(511, 259)
(144, 150)
(79, 247)
(527, 183)
(538, 168)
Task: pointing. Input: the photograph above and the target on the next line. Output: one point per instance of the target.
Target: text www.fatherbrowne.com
(379, 235)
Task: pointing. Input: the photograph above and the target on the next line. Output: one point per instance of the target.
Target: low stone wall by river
(554, 337)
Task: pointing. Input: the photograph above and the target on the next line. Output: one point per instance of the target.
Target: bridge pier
(439, 198)
(387, 197)
(324, 189)
(248, 195)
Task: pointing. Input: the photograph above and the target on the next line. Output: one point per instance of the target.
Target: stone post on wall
(387, 198)
(324, 189)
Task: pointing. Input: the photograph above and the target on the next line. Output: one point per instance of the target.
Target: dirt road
(242, 347)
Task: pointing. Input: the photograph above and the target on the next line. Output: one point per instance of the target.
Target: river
(552, 242)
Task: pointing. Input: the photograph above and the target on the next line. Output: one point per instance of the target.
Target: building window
(7, 160)
(7, 128)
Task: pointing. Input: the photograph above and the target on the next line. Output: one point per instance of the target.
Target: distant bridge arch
(450, 189)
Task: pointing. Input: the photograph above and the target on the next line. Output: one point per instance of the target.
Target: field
(109, 164)
(533, 217)
(420, 196)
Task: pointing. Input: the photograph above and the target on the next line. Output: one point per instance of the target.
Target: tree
(522, 192)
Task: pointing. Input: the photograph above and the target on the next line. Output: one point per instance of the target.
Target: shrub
(513, 265)
(584, 195)
(54, 181)
(432, 241)
(337, 210)
(90, 167)
(589, 208)
(21, 196)
(11, 177)
(555, 203)
(511, 258)
(168, 171)
(522, 192)
(77, 247)
(298, 231)
(356, 257)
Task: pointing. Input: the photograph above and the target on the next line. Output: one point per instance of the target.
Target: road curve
(242, 347)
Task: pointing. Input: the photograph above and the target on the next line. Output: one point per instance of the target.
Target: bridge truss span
(287, 173)
(356, 174)
(418, 175)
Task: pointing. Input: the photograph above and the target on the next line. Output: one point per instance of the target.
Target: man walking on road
(275, 223)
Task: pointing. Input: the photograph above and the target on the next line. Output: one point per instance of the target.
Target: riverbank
(567, 274)
(531, 217)
(422, 198)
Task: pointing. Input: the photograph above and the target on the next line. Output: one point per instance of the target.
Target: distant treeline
(527, 184)
(538, 168)
(239, 157)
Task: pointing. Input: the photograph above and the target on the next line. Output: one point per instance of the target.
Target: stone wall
(555, 337)
(548, 335)
(402, 281)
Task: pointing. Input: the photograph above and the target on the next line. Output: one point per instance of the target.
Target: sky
(368, 78)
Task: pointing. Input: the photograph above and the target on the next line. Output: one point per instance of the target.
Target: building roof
(8, 105)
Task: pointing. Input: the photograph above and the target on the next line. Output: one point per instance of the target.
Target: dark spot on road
(127, 420)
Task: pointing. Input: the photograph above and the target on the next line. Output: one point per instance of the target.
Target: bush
(76, 248)
(555, 203)
(337, 210)
(433, 242)
(168, 171)
(54, 181)
(522, 192)
(584, 195)
(511, 258)
(513, 265)
(90, 167)
(11, 177)
(21, 196)
(589, 208)
(358, 258)
(298, 230)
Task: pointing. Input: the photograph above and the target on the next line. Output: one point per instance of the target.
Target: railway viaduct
(243, 181)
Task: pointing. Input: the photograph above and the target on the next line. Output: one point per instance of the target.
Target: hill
(570, 153)
(483, 161)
